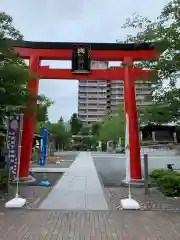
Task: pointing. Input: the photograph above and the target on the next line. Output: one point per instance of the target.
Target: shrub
(158, 173)
(169, 185)
(168, 182)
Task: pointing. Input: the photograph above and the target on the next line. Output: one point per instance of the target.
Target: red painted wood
(130, 109)
(103, 74)
(97, 55)
(28, 124)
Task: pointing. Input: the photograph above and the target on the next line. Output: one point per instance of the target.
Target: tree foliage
(42, 114)
(95, 129)
(14, 74)
(164, 33)
(113, 127)
(164, 110)
(76, 124)
(58, 133)
(42, 109)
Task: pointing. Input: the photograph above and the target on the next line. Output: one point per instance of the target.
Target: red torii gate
(127, 53)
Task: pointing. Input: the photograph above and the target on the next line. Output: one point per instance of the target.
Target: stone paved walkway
(79, 188)
(93, 225)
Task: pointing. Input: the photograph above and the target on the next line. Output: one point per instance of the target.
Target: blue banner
(44, 147)
(14, 143)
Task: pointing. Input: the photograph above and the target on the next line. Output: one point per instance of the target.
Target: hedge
(168, 182)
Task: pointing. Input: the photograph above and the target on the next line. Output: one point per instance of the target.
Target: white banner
(127, 152)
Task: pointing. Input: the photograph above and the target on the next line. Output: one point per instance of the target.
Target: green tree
(113, 127)
(58, 133)
(164, 110)
(42, 109)
(85, 131)
(95, 129)
(13, 71)
(164, 33)
(76, 124)
(42, 113)
(61, 119)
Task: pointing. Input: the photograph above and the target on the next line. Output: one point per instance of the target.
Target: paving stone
(91, 225)
(155, 200)
(79, 188)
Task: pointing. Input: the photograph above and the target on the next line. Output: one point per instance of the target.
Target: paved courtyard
(89, 225)
(78, 208)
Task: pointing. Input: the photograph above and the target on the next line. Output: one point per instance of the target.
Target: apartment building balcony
(90, 119)
(93, 119)
(143, 92)
(91, 96)
(82, 113)
(121, 84)
(97, 101)
(82, 101)
(92, 90)
(82, 84)
(117, 97)
(91, 106)
(96, 113)
(115, 103)
(139, 97)
(117, 86)
(94, 101)
(81, 107)
(93, 83)
(117, 93)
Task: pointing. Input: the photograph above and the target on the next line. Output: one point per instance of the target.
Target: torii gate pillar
(130, 110)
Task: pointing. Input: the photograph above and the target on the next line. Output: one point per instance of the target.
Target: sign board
(81, 59)
(44, 147)
(15, 124)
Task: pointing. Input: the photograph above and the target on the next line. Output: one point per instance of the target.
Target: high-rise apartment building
(97, 97)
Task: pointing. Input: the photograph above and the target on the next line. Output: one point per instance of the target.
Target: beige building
(97, 97)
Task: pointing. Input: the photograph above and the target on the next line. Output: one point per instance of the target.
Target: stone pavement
(79, 188)
(155, 201)
(48, 169)
(89, 225)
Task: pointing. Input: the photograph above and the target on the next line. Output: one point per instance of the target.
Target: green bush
(169, 185)
(158, 173)
(168, 182)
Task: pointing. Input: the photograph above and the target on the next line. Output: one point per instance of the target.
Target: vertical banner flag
(14, 142)
(127, 153)
(44, 147)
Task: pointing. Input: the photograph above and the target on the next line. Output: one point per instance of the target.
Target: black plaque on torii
(81, 59)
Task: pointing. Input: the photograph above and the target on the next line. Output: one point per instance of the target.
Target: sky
(73, 21)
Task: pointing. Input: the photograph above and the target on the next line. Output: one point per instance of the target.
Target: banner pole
(19, 154)
(16, 202)
(43, 158)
